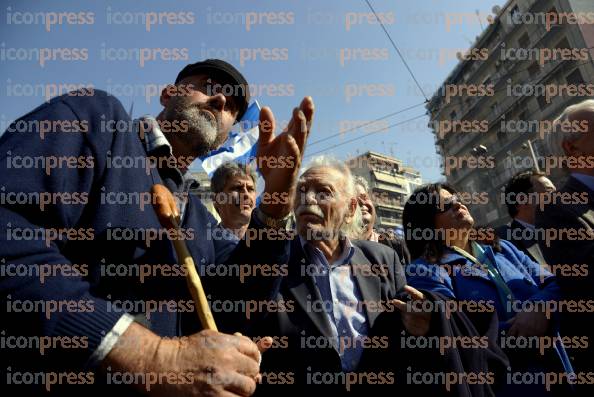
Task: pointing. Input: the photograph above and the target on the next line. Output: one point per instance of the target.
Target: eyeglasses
(446, 204)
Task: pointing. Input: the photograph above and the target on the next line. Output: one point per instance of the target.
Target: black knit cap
(227, 74)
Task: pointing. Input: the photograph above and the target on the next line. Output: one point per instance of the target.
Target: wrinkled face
(455, 215)
(367, 209)
(237, 200)
(206, 118)
(321, 206)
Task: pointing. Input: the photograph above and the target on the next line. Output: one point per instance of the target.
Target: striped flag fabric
(241, 145)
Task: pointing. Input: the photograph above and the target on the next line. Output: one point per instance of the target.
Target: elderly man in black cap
(123, 295)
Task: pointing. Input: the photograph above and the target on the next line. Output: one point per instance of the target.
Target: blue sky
(331, 50)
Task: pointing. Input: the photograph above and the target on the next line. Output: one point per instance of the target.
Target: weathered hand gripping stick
(166, 210)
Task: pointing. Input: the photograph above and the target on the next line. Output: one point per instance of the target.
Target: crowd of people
(308, 296)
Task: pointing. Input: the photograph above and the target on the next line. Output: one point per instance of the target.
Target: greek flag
(242, 144)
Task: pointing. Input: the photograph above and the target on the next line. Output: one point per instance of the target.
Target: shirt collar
(451, 255)
(155, 141)
(227, 233)
(525, 224)
(157, 145)
(346, 246)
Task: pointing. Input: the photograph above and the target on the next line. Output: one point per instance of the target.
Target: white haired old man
(572, 142)
(331, 291)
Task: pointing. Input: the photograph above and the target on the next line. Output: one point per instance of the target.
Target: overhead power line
(365, 135)
(397, 50)
(365, 124)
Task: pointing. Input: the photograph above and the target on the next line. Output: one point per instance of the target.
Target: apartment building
(390, 184)
(491, 112)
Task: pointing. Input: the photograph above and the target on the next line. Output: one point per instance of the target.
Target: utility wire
(365, 135)
(406, 121)
(366, 124)
(507, 75)
(397, 50)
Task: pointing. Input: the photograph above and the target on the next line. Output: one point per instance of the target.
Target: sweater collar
(157, 145)
(155, 142)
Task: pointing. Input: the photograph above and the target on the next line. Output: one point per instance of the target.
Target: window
(495, 109)
(453, 115)
(501, 136)
(553, 21)
(468, 103)
(524, 41)
(542, 103)
(533, 69)
(515, 13)
(575, 78)
(564, 44)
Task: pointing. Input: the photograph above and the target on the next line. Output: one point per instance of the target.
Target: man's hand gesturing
(416, 321)
(279, 157)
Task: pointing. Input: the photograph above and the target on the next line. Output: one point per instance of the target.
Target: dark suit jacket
(514, 233)
(398, 245)
(580, 254)
(302, 354)
(302, 362)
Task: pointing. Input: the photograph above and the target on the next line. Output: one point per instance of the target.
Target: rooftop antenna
(478, 15)
(470, 43)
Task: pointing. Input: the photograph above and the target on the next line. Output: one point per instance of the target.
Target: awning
(399, 181)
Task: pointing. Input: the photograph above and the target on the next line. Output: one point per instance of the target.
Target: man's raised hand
(279, 157)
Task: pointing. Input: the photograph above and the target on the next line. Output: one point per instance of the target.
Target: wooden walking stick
(166, 209)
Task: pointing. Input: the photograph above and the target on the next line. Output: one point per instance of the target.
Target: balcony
(391, 222)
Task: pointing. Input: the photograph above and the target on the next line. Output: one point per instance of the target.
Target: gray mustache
(310, 209)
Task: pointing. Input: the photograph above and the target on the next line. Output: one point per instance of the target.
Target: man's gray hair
(559, 135)
(360, 181)
(228, 170)
(352, 229)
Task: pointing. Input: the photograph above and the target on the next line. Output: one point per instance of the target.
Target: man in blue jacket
(90, 286)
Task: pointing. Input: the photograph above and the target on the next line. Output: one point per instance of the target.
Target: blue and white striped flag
(242, 144)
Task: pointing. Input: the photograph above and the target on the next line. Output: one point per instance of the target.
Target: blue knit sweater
(93, 232)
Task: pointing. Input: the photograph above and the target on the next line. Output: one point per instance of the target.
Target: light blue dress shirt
(342, 298)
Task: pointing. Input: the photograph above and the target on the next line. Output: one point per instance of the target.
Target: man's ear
(167, 93)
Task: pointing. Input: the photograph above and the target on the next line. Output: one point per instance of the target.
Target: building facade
(390, 184)
(204, 192)
(532, 61)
